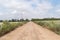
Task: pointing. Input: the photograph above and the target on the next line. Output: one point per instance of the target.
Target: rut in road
(31, 31)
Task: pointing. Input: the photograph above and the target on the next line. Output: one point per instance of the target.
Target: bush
(7, 27)
(50, 25)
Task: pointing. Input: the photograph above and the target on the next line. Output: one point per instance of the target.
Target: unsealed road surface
(31, 31)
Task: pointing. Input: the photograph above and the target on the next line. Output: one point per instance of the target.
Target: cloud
(30, 8)
(58, 11)
(13, 12)
(1, 14)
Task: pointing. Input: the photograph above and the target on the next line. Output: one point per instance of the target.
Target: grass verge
(53, 26)
(7, 27)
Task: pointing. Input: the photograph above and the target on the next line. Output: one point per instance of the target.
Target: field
(6, 27)
(53, 25)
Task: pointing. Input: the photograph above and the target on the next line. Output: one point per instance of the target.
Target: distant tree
(14, 20)
(35, 19)
(21, 19)
(27, 20)
(1, 20)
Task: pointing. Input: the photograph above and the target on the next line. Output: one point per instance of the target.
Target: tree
(27, 20)
(21, 19)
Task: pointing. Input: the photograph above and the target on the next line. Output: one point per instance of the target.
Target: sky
(17, 9)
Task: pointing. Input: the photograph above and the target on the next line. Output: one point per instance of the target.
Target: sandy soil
(31, 31)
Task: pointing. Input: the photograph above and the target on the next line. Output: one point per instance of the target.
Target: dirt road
(31, 31)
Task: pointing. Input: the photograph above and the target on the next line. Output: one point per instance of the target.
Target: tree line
(15, 20)
(19, 20)
(45, 19)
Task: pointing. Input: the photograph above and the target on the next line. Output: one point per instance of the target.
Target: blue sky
(17, 9)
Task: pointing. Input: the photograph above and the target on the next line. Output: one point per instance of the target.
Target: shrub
(55, 27)
(7, 27)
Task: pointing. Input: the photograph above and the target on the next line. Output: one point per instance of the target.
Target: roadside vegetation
(8, 26)
(53, 25)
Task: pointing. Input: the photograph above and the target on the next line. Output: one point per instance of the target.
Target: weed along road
(31, 31)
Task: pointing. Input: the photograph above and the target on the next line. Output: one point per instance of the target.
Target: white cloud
(1, 14)
(43, 8)
(58, 10)
(18, 7)
(13, 12)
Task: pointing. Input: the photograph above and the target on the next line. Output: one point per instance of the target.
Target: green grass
(53, 25)
(6, 27)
